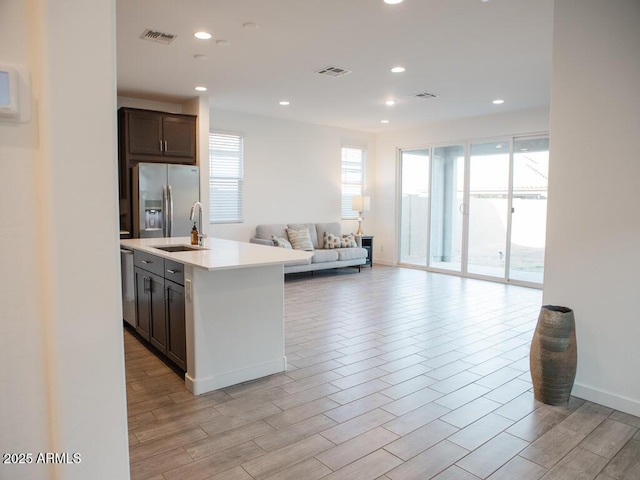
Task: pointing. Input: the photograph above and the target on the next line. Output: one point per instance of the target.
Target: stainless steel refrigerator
(162, 197)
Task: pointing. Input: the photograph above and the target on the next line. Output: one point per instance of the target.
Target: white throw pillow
(332, 241)
(300, 239)
(280, 242)
(350, 239)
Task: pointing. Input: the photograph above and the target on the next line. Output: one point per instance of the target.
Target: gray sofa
(323, 258)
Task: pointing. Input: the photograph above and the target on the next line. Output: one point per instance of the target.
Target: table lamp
(360, 204)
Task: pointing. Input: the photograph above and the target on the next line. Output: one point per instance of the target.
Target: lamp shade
(361, 204)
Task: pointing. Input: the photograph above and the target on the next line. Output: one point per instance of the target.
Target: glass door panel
(488, 208)
(414, 167)
(446, 218)
(529, 209)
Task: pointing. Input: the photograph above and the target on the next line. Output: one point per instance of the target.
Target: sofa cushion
(297, 263)
(350, 253)
(312, 231)
(331, 227)
(265, 231)
(300, 239)
(321, 256)
(280, 242)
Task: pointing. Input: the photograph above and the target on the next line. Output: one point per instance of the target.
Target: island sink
(178, 248)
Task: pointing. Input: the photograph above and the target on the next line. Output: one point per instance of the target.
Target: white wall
(199, 106)
(292, 171)
(24, 406)
(385, 202)
(62, 373)
(593, 240)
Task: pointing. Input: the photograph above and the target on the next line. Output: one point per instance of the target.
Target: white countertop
(218, 254)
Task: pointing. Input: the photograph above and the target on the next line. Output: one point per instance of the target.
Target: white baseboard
(626, 405)
(199, 386)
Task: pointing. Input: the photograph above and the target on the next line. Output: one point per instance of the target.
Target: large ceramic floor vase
(554, 355)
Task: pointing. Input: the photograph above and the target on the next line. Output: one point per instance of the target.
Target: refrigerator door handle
(165, 210)
(170, 203)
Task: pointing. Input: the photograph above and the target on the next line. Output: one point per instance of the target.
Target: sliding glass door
(477, 209)
(529, 209)
(488, 208)
(446, 210)
(415, 166)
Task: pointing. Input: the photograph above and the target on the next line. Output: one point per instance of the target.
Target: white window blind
(225, 177)
(352, 179)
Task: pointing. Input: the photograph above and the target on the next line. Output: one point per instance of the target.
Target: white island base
(235, 326)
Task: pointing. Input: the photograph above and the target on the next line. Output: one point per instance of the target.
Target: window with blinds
(352, 179)
(225, 177)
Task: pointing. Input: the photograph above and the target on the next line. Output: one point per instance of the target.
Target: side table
(367, 244)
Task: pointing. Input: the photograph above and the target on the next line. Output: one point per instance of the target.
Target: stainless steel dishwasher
(128, 287)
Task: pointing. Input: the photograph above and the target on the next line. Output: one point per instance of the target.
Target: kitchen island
(234, 307)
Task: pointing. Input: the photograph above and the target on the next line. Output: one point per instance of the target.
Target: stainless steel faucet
(201, 236)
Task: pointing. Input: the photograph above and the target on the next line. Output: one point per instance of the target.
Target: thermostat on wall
(14, 94)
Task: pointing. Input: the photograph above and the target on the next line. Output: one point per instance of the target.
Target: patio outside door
(476, 209)
(488, 208)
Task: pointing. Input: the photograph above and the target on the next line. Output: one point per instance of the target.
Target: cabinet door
(143, 302)
(158, 333)
(145, 133)
(179, 136)
(176, 335)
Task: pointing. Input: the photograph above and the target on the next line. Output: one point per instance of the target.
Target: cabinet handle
(145, 288)
(173, 271)
(167, 295)
(165, 145)
(147, 261)
(161, 147)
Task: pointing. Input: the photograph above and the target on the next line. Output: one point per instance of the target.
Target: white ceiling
(467, 52)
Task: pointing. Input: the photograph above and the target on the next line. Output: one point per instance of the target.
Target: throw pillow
(351, 240)
(332, 241)
(300, 239)
(280, 242)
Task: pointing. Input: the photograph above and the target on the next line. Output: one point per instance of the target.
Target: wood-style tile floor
(394, 374)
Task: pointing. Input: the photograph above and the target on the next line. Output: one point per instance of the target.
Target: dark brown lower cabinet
(176, 333)
(158, 334)
(160, 305)
(143, 302)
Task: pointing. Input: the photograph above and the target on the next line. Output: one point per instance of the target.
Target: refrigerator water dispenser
(153, 215)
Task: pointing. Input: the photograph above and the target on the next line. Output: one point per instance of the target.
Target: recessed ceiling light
(398, 69)
(393, 2)
(202, 35)
(390, 102)
(384, 121)
(201, 89)
(223, 43)
(284, 103)
(498, 101)
(251, 25)
(200, 56)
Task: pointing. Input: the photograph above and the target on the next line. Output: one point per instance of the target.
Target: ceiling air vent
(158, 37)
(333, 71)
(424, 95)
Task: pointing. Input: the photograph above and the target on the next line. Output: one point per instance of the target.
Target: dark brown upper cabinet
(163, 135)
